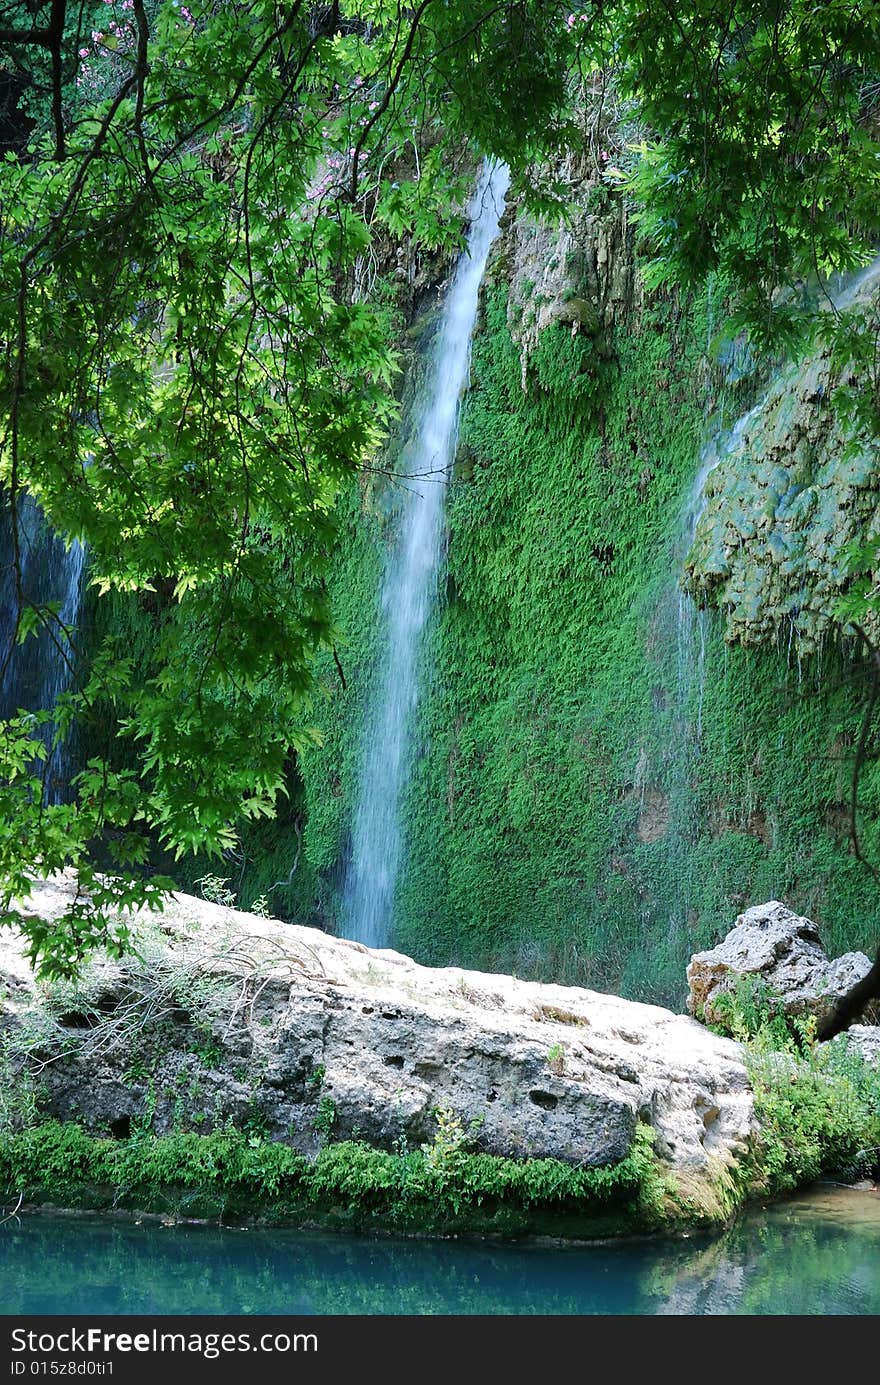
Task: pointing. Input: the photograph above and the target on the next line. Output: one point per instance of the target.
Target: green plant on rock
(208, 1050)
(142, 1123)
(817, 1105)
(447, 1151)
(753, 1013)
(566, 366)
(818, 1116)
(556, 1059)
(326, 1117)
(19, 1106)
(315, 1079)
(136, 1071)
(347, 1184)
(215, 889)
(255, 1124)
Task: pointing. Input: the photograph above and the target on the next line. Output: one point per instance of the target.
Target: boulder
(229, 1016)
(782, 950)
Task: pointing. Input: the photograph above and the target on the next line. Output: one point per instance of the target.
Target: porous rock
(230, 1016)
(865, 1040)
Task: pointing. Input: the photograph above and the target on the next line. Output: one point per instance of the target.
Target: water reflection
(818, 1254)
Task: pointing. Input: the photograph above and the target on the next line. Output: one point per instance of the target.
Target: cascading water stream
(689, 640)
(40, 668)
(693, 633)
(692, 621)
(409, 587)
(846, 295)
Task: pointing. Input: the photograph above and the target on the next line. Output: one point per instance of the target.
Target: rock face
(229, 1016)
(784, 951)
(865, 1039)
(790, 492)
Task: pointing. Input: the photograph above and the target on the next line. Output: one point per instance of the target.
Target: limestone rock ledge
(232, 1017)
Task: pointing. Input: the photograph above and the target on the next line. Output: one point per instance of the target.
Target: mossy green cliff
(603, 775)
(599, 781)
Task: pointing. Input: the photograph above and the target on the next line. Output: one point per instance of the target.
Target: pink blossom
(84, 52)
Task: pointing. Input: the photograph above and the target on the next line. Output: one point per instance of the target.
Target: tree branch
(56, 40)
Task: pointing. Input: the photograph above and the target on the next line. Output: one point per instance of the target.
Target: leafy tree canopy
(197, 351)
(761, 157)
(192, 366)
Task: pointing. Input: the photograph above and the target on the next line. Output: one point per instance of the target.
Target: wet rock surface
(790, 491)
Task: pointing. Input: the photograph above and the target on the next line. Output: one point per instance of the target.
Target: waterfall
(688, 643)
(409, 587)
(691, 621)
(39, 669)
(694, 638)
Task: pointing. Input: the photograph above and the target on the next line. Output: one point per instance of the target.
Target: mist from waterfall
(409, 587)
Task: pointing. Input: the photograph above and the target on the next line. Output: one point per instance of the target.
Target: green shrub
(753, 1013)
(439, 1188)
(819, 1113)
(818, 1105)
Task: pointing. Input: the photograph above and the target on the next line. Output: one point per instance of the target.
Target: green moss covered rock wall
(599, 782)
(791, 493)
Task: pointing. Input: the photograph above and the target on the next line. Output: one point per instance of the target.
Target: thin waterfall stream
(688, 629)
(409, 587)
(695, 641)
(718, 448)
(691, 663)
